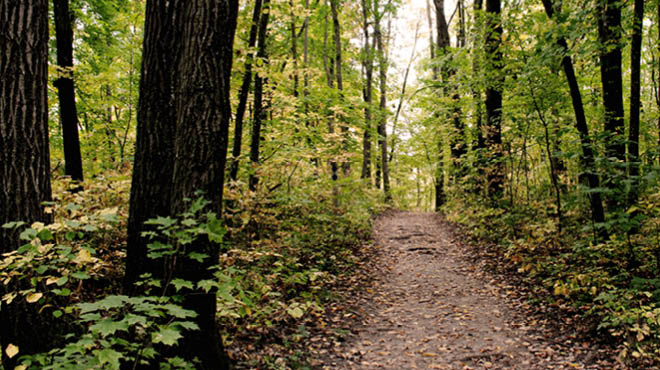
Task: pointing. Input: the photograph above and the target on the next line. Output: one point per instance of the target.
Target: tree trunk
(382, 129)
(479, 143)
(260, 113)
(330, 79)
(367, 95)
(609, 34)
(153, 166)
(334, 5)
(495, 171)
(243, 93)
(65, 90)
(202, 125)
(24, 153)
(190, 151)
(588, 157)
(294, 50)
(633, 129)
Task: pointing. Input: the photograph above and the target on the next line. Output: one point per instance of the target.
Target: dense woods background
(183, 177)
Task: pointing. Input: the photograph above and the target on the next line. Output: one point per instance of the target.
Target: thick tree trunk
(183, 122)
(260, 113)
(202, 125)
(382, 129)
(609, 34)
(495, 171)
(243, 93)
(153, 166)
(24, 154)
(65, 90)
(367, 95)
(633, 129)
(588, 157)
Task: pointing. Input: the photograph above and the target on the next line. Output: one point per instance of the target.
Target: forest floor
(430, 304)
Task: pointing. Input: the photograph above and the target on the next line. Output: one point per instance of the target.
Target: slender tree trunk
(382, 129)
(334, 5)
(495, 172)
(260, 113)
(479, 143)
(402, 96)
(588, 157)
(633, 130)
(294, 50)
(65, 90)
(458, 144)
(609, 33)
(243, 93)
(368, 68)
(330, 78)
(24, 156)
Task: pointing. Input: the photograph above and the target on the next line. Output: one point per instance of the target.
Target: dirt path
(430, 307)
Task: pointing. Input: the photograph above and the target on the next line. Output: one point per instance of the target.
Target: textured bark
(633, 129)
(153, 166)
(260, 113)
(587, 158)
(382, 129)
(609, 33)
(183, 120)
(203, 113)
(493, 140)
(65, 90)
(243, 93)
(24, 154)
(367, 95)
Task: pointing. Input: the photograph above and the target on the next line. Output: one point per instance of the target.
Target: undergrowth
(282, 253)
(614, 285)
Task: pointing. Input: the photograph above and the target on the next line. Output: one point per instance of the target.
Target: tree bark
(334, 10)
(202, 126)
(65, 90)
(367, 95)
(587, 157)
(609, 34)
(183, 122)
(493, 140)
(479, 143)
(635, 87)
(382, 129)
(153, 166)
(24, 153)
(260, 113)
(243, 93)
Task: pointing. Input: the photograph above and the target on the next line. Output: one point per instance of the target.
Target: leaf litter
(423, 301)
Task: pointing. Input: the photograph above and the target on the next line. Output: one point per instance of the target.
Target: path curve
(431, 307)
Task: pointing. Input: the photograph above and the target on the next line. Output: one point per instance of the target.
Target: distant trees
(24, 153)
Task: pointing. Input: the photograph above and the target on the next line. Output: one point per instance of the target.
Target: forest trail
(431, 307)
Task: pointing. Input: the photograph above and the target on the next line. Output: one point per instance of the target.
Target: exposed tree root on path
(430, 306)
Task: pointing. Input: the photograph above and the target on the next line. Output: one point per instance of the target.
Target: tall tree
(260, 113)
(339, 76)
(243, 93)
(368, 65)
(382, 121)
(24, 154)
(65, 89)
(609, 35)
(635, 100)
(153, 166)
(203, 33)
(493, 25)
(478, 144)
(587, 158)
